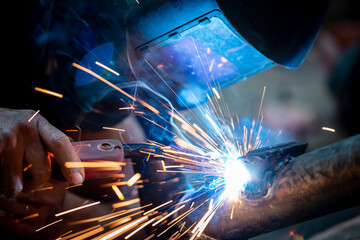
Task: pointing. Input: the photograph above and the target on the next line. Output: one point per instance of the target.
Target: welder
(151, 45)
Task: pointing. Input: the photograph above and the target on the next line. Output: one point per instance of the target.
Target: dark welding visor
(185, 48)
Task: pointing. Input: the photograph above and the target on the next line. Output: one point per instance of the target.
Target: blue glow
(103, 54)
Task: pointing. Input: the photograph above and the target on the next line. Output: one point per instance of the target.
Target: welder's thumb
(58, 143)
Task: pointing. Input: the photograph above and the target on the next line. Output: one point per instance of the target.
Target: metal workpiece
(314, 184)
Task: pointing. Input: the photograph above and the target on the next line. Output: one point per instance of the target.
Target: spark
(127, 203)
(72, 130)
(114, 129)
(61, 236)
(148, 106)
(232, 211)
(261, 103)
(120, 230)
(118, 183)
(48, 225)
(133, 179)
(328, 129)
(168, 215)
(216, 93)
(98, 164)
(107, 68)
(138, 229)
(42, 189)
(79, 232)
(72, 186)
(156, 208)
(27, 167)
(55, 94)
(76, 209)
(27, 217)
(163, 165)
(127, 108)
(224, 60)
(32, 117)
(89, 233)
(103, 80)
(118, 192)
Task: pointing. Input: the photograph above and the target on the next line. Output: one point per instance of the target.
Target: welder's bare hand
(24, 145)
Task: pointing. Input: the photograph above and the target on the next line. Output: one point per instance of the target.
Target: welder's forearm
(317, 183)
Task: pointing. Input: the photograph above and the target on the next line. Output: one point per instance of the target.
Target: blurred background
(322, 92)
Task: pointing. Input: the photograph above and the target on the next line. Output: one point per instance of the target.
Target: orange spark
(49, 92)
(103, 80)
(118, 192)
(76, 209)
(155, 208)
(27, 167)
(148, 106)
(168, 215)
(27, 217)
(123, 229)
(138, 229)
(126, 203)
(97, 164)
(133, 179)
(42, 189)
(77, 185)
(72, 130)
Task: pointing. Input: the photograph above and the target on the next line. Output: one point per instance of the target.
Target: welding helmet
(185, 48)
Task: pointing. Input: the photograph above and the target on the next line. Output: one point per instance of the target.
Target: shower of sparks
(32, 117)
(328, 129)
(208, 148)
(55, 94)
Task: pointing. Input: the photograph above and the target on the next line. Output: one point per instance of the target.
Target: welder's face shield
(185, 64)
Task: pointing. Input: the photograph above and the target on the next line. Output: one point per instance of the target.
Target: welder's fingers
(37, 167)
(11, 169)
(10, 227)
(59, 144)
(16, 208)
